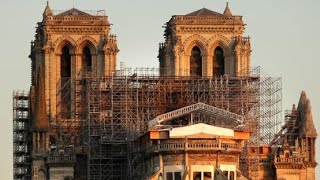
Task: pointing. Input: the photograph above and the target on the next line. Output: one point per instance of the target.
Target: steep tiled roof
(73, 12)
(204, 12)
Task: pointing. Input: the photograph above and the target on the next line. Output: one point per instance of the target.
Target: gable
(205, 108)
(73, 12)
(200, 130)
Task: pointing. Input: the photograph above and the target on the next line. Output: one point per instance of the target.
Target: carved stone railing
(61, 159)
(265, 160)
(193, 145)
(289, 160)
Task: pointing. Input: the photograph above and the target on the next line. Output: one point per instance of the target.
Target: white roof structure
(192, 108)
(200, 128)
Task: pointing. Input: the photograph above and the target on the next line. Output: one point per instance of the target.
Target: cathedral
(204, 113)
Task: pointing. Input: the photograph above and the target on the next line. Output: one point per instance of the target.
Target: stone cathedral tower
(206, 116)
(205, 43)
(67, 43)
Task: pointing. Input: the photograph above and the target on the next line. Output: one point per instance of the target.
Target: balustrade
(289, 160)
(56, 159)
(196, 145)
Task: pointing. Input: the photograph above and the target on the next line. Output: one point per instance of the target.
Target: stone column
(94, 65)
(99, 64)
(227, 64)
(47, 78)
(38, 141)
(181, 65)
(57, 85)
(73, 82)
(176, 64)
(238, 64)
(52, 84)
(107, 64)
(209, 65)
(313, 149)
(167, 65)
(78, 63)
(44, 142)
(186, 157)
(204, 65)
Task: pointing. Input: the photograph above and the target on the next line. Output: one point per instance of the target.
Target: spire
(303, 98)
(293, 108)
(304, 123)
(227, 11)
(40, 119)
(47, 10)
(307, 128)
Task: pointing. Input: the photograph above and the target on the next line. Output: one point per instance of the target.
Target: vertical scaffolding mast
(21, 136)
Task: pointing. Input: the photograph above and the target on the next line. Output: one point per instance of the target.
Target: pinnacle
(227, 11)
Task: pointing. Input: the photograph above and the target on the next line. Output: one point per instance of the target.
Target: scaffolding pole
(115, 110)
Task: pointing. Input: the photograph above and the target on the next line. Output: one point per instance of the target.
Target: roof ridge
(204, 12)
(74, 12)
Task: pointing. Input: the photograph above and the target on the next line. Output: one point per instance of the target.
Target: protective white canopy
(200, 128)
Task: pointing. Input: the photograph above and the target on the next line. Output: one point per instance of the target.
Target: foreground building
(204, 114)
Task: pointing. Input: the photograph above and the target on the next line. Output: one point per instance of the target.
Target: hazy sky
(285, 41)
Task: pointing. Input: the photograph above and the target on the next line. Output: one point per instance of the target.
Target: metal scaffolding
(21, 136)
(110, 112)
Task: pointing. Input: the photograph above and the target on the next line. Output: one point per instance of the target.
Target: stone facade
(208, 31)
(296, 157)
(195, 155)
(73, 31)
(202, 45)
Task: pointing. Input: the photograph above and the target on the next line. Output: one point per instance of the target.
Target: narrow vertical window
(65, 73)
(65, 63)
(218, 62)
(86, 58)
(196, 62)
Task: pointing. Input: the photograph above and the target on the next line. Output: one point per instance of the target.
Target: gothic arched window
(218, 62)
(196, 62)
(65, 70)
(65, 62)
(86, 58)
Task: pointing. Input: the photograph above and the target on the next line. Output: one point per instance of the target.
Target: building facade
(203, 114)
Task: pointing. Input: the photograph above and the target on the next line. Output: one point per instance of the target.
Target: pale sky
(285, 41)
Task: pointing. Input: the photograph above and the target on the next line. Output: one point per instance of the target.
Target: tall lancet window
(196, 62)
(65, 63)
(65, 72)
(218, 62)
(86, 58)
